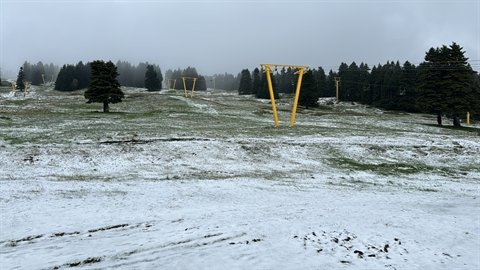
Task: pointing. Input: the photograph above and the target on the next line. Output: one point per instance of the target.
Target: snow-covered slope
(208, 183)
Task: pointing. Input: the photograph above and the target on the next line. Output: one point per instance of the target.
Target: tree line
(134, 75)
(143, 75)
(175, 81)
(444, 84)
(224, 81)
(37, 73)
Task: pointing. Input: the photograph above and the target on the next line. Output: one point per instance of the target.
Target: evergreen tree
(364, 85)
(309, 92)
(152, 83)
(476, 109)
(20, 80)
(72, 77)
(343, 72)
(256, 83)
(321, 80)
(126, 71)
(159, 75)
(331, 87)
(27, 71)
(245, 87)
(82, 75)
(139, 75)
(69, 80)
(264, 92)
(408, 93)
(104, 87)
(226, 81)
(446, 82)
(177, 76)
(37, 71)
(189, 72)
(201, 84)
(351, 83)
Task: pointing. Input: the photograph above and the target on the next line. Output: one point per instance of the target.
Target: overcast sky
(217, 36)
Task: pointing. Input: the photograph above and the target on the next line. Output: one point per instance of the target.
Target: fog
(228, 35)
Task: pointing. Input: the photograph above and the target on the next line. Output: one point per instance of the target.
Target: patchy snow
(207, 183)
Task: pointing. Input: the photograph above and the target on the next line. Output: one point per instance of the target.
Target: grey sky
(228, 35)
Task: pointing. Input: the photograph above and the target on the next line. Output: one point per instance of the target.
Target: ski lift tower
(300, 71)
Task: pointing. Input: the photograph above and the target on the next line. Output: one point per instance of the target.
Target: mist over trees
(189, 73)
(224, 81)
(33, 72)
(76, 77)
(134, 75)
(444, 83)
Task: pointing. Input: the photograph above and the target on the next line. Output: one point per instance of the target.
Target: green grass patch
(387, 168)
(461, 128)
(14, 139)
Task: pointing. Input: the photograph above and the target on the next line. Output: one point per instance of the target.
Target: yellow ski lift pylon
(300, 71)
(185, 85)
(170, 85)
(27, 88)
(337, 82)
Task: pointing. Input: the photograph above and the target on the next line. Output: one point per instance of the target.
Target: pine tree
(309, 92)
(264, 92)
(331, 88)
(321, 80)
(256, 83)
(152, 83)
(177, 77)
(408, 93)
(343, 72)
(27, 71)
(82, 74)
(37, 71)
(20, 80)
(159, 75)
(476, 87)
(363, 81)
(189, 72)
(245, 87)
(104, 87)
(446, 82)
(201, 84)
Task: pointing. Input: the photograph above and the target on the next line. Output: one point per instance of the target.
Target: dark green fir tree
(263, 92)
(245, 87)
(309, 94)
(446, 84)
(152, 83)
(104, 87)
(20, 80)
